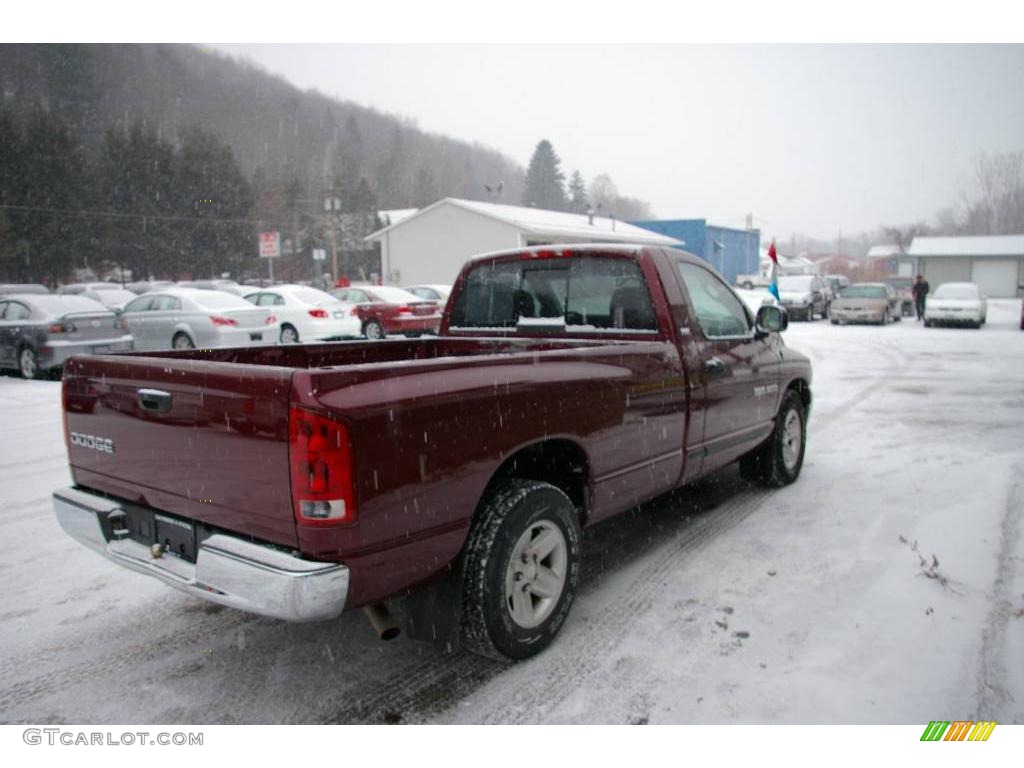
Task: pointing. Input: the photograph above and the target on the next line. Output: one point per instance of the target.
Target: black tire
(770, 463)
(927, 323)
(373, 330)
(834, 321)
(288, 334)
(28, 363)
(182, 340)
(512, 515)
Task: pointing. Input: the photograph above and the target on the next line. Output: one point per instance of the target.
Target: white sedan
(307, 314)
(956, 304)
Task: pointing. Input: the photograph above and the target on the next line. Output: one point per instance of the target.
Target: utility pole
(332, 205)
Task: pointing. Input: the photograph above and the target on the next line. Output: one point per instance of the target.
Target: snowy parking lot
(885, 586)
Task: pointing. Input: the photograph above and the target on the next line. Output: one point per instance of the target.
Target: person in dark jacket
(920, 290)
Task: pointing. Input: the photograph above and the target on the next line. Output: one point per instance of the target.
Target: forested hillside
(174, 157)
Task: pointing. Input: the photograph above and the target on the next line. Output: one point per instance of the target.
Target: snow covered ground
(724, 603)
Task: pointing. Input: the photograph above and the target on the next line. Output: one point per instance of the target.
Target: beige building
(995, 263)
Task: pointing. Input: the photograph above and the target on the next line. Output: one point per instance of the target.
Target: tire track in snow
(993, 698)
(421, 691)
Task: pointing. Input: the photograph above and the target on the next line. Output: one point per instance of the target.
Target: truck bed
(419, 412)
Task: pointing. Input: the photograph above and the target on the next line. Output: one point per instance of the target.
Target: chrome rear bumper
(230, 571)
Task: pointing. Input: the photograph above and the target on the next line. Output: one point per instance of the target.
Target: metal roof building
(731, 251)
(432, 244)
(995, 263)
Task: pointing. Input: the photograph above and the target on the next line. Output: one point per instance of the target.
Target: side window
(167, 303)
(16, 311)
(718, 310)
(357, 297)
(3, 308)
(139, 305)
(278, 300)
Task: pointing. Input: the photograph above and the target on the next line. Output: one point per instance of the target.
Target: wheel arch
(803, 388)
(559, 461)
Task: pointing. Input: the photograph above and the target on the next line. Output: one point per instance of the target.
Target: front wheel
(778, 460)
(522, 562)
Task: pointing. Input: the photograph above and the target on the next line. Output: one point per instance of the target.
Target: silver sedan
(186, 318)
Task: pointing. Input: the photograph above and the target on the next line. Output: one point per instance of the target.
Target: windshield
(864, 292)
(956, 291)
(795, 283)
(313, 296)
(392, 295)
(219, 300)
(62, 305)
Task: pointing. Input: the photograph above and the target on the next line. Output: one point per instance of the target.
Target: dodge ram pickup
(450, 475)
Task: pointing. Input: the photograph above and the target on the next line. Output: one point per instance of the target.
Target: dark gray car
(39, 333)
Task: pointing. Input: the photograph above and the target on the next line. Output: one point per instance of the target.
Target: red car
(384, 309)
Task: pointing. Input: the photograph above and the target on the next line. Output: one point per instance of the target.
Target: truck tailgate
(202, 440)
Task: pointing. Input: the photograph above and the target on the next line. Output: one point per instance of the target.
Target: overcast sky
(811, 139)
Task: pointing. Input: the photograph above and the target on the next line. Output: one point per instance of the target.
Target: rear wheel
(182, 341)
(373, 330)
(778, 460)
(28, 363)
(289, 335)
(522, 562)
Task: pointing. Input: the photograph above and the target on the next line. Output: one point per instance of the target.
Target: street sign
(270, 245)
(319, 254)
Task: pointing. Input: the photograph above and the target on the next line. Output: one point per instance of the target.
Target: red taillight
(321, 313)
(354, 312)
(120, 324)
(321, 469)
(218, 320)
(271, 320)
(61, 328)
(403, 310)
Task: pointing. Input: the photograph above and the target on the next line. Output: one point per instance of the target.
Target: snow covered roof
(395, 215)
(544, 223)
(993, 245)
(883, 251)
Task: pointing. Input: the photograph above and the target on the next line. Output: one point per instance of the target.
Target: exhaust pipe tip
(382, 621)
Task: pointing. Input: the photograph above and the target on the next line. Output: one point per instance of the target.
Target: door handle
(155, 400)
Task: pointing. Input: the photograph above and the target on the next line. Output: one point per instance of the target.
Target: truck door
(738, 372)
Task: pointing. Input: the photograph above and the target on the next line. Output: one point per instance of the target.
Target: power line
(119, 215)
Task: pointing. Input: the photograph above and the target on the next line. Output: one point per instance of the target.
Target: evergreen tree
(217, 196)
(545, 180)
(578, 202)
(136, 173)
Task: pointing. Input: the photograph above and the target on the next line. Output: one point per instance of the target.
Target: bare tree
(995, 206)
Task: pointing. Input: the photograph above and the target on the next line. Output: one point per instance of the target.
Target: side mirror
(771, 319)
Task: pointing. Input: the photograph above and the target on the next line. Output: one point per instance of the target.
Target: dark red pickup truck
(566, 386)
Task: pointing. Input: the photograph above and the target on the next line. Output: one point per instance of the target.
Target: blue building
(730, 251)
